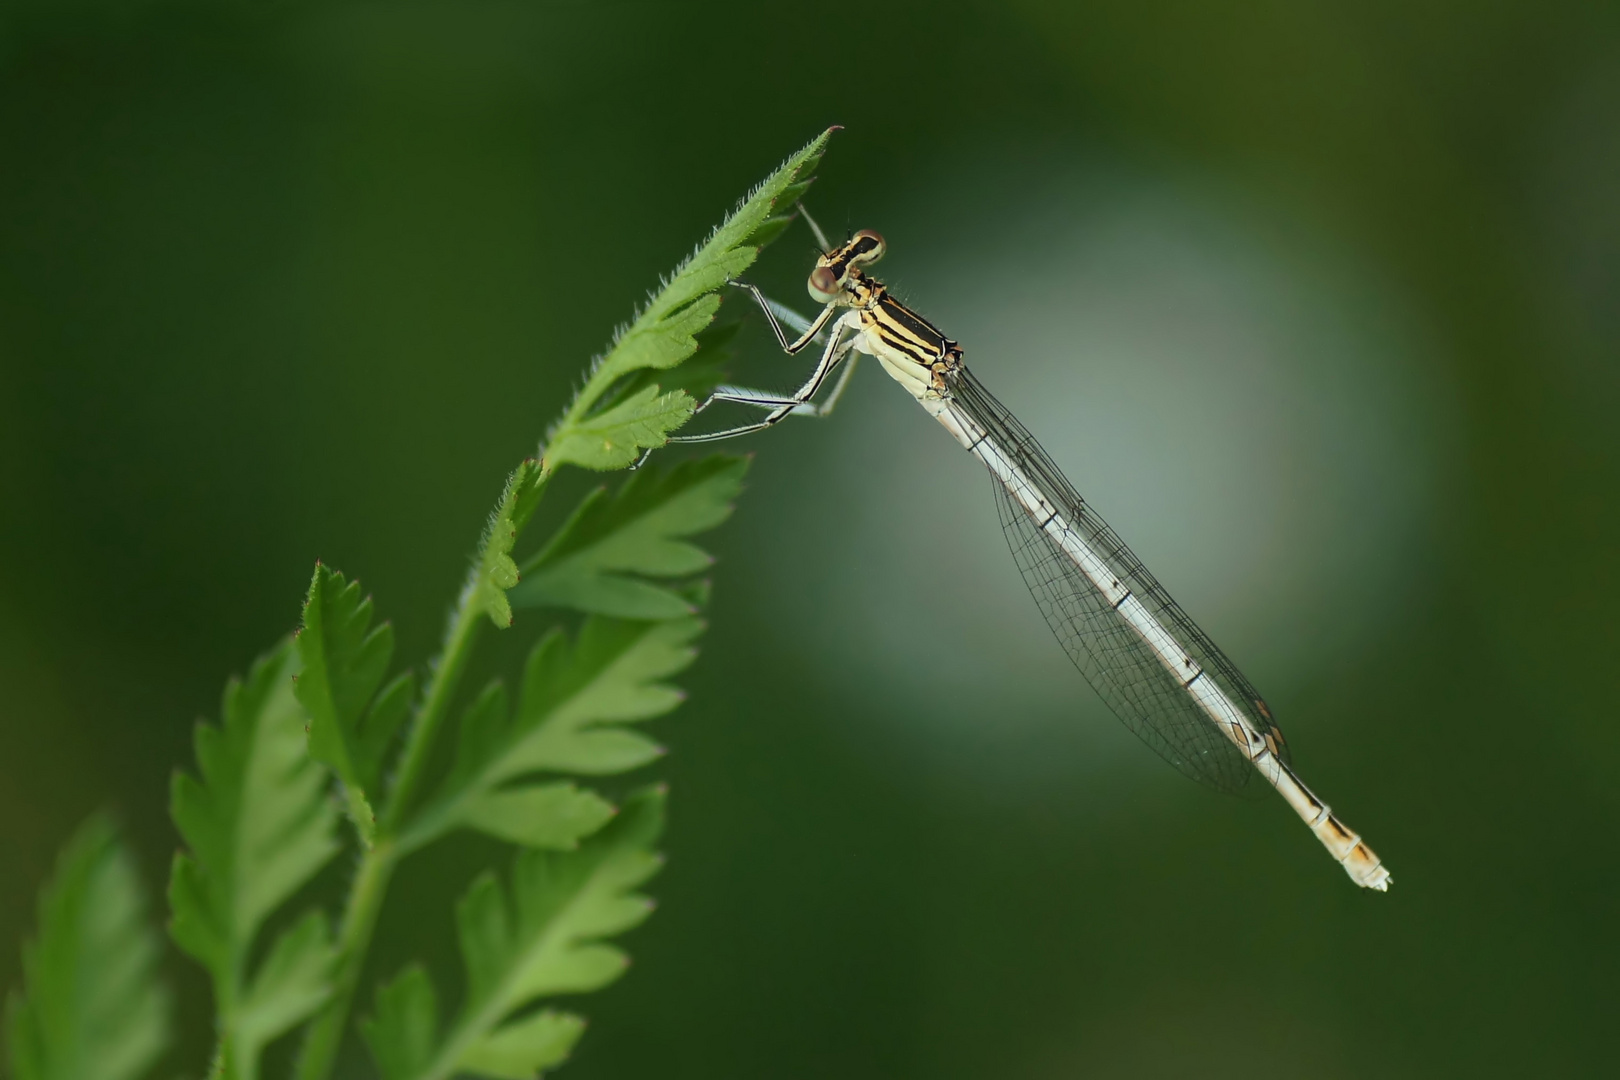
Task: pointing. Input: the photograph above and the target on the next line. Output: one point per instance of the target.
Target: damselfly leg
(780, 406)
(839, 344)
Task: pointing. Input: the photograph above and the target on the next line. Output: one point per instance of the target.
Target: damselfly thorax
(910, 348)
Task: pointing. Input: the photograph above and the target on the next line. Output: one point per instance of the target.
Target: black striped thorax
(897, 326)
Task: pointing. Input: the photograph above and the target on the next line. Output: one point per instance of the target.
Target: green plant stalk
(458, 646)
(354, 941)
(377, 864)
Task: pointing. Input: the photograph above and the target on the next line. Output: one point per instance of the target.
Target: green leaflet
(614, 438)
(405, 1030)
(661, 335)
(495, 572)
(569, 719)
(575, 701)
(666, 331)
(290, 984)
(671, 339)
(539, 815)
(601, 558)
(697, 375)
(259, 826)
(541, 936)
(404, 1035)
(523, 1047)
(91, 1003)
(344, 662)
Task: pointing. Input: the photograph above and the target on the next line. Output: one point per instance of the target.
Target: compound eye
(866, 247)
(823, 284)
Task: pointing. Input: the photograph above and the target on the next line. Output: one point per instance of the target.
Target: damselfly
(1140, 651)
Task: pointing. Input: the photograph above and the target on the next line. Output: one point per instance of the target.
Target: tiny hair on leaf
(494, 572)
(697, 376)
(614, 438)
(668, 330)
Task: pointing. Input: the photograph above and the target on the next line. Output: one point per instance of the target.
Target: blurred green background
(1320, 302)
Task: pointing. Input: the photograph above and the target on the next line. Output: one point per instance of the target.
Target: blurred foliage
(543, 940)
(260, 266)
(92, 1004)
(258, 826)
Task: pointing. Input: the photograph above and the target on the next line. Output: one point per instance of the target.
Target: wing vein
(1121, 666)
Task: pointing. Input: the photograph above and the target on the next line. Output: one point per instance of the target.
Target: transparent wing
(1117, 663)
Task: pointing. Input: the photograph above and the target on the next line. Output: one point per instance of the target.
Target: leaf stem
(458, 646)
(377, 864)
(483, 593)
(354, 941)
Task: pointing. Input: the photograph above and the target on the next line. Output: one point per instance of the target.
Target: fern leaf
(259, 826)
(495, 572)
(570, 719)
(541, 936)
(666, 331)
(344, 663)
(539, 815)
(523, 1048)
(615, 437)
(601, 558)
(575, 702)
(291, 983)
(405, 1030)
(673, 338)
(661, 335)
(698, 375)
(91, 1003)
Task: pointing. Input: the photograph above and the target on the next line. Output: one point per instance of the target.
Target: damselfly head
(831, 275)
